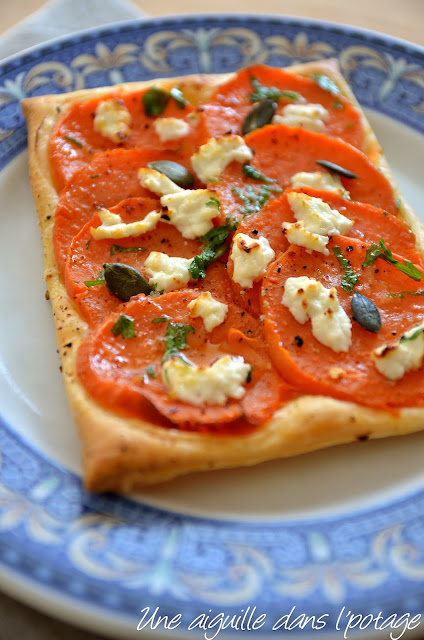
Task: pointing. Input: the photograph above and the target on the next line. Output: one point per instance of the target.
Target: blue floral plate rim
(176, 561)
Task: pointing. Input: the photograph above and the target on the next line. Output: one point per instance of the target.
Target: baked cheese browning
(86, 129)
(304, 361)
(304, 97)
(121, 372)
(280, 152)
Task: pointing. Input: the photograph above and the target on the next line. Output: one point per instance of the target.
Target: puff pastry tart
(234, 274)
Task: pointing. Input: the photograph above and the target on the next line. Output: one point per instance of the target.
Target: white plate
(341, 527)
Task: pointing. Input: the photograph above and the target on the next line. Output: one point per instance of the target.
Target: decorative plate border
(120, 556)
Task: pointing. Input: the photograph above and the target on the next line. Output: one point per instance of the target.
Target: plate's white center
(33, 402)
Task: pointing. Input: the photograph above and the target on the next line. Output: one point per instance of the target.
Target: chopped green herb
(402, 294)
(211, 179)
(176, 338)
(87, 244)
(124, 326)
(251, 172)
(350, 278)
(413, 335)
(161, 319)
(381, 251)
(74, 141)
(271, 93)
(325, 83)
(385, 214)
(214, 249)
(96, 175)
(213, 202)
(118, 247)
(178, 97)
(338, 105)
(150, 372)
(99, 280)
(398, 203)
(253, 200)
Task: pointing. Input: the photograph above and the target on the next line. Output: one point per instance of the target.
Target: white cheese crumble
(251, 257)
(157, 182)
(211, 311)
(171, 128)
(191, 211)
(166, 272)
(211, 385)
(324, 181)
(298, 233)
(217, 153)
(309, 116)
(316, 222)
(113, 227)
(394, 360)
(308, 299)
(112, 119)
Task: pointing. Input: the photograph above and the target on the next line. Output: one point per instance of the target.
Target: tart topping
(166, 273)
(319, 180)
(158, 181)
(251, 257)
(407, 354)
(316, 222)
(112, 120)
(217, 153)
(309, 116)
(215, 384)
(174, 171)
(210, 310)
(308, 299)
(191, 211)
(113, 227)
(171, 128)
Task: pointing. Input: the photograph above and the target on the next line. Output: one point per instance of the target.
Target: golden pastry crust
(123, 454)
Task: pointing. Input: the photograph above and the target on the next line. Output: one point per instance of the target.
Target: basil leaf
(99, 280)
(253, 200)
(74, 141)
(413, 335)
(118, 247)
(213, 202)
(381, 251)
(325, 83)
(272, 93)
(150, 371)
(155, 100)
(161, 319)
(251, 172)
(124, 326)
(402, 294)
(176, 338)
(350, 278)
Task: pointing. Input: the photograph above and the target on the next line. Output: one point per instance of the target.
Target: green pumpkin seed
(155, 100)
(259, 115)
(174, 171)
(365, 312)
(124, 281)
(335, 168)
